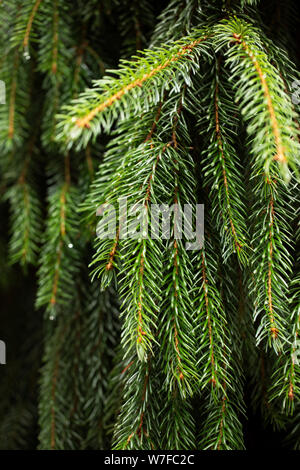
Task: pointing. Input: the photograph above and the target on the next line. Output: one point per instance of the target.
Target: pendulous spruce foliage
(148, 345)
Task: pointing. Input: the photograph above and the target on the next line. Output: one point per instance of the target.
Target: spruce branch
(177, 425)
(13, 123)
(97, 107)
(260, 93)
(28, 15)
(26, 214)
(55, 53)
(271, 260)
(59, 257)
(211, 330)
(286, 376)
(221, 165)
(137, 423)
(223, 415)
(176, 328)
(107, 188)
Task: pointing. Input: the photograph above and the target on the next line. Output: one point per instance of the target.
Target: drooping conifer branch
(205, 115)
(84, 121)
(30, 22)
(25, 212)
(222, 172)
(254, 74)
(153, 67)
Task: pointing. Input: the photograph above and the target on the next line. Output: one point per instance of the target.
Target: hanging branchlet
(285, 389)
(271, 260)
(279, 145)
(19, 151)
(177, 424)
(55, 53)
(118, 97)
(26, 212)
(14, 127)
(55, 390)
(176, 327)
(26, 25)
(96, 328)
(59, 257)
(136, 427)
(270, 121)
(223, 428)
(215, 369)
(211, 330)
(132, 141)
(63, 242)
(221, 165)
(141, 257)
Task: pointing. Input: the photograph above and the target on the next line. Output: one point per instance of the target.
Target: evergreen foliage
(148, 345)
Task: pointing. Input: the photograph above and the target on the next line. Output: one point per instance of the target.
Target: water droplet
(26, 54)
